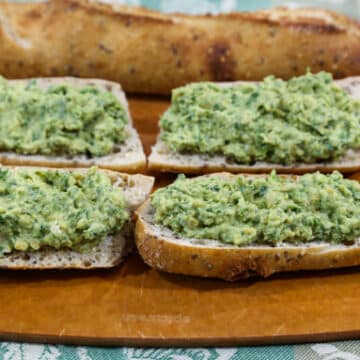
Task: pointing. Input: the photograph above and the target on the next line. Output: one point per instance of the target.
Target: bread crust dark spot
(221, 62)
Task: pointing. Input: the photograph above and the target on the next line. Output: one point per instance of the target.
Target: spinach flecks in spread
(59, 120)
(306, 119)
(263, 210)
(58, 209)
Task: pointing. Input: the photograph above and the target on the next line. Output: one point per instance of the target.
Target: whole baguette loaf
(149, 52)
(128, 157)
(108, 253)
(164, 160)
(162, 249)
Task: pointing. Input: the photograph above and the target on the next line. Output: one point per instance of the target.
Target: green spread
(57, 209)
(263, 210)
(60, 120)
(306, 119)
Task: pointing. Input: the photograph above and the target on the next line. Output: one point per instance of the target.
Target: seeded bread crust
(129, 157)
(152, 52)
(164, 160)
(108, 253)
(161, 249)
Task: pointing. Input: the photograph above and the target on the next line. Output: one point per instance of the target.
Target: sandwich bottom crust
(169, 253)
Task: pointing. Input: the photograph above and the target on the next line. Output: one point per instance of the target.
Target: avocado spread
(266, 210)
(306, 119)
(57, 209)
(59, 120)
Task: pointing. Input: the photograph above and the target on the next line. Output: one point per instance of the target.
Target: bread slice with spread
(237, 226)
(67, 218)
(298, 126)
(77, 111)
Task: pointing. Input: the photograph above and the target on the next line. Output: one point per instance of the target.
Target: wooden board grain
(135, 305)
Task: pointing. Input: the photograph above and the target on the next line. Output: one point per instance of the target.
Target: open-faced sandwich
(305, 124)
(235, 226)
(73, 218)
(67, 122)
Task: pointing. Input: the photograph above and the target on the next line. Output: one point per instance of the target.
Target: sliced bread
(164, 250)
(129, 157)
(165, 160)
(107, 253)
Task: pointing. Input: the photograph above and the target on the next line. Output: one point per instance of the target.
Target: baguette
(150, 52)
(108, 253)
(162, 249)
(129, 157)
(164, 160)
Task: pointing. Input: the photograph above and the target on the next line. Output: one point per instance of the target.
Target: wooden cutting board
(134, 305)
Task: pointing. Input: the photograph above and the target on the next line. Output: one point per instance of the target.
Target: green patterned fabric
(349, 7)
(347, 350)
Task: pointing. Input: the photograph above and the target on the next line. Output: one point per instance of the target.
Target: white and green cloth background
(348, 350)
(345, 350)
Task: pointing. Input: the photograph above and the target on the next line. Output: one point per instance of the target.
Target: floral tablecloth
(347, 350)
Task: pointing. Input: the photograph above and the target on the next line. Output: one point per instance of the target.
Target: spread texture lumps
(307, 119)
(60, 120)
(58, 209)
(268, 210)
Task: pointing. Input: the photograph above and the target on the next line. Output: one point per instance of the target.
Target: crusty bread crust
(164, 160)
(150, 52)
(108, 253)
(163, 250)
(129, 157)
